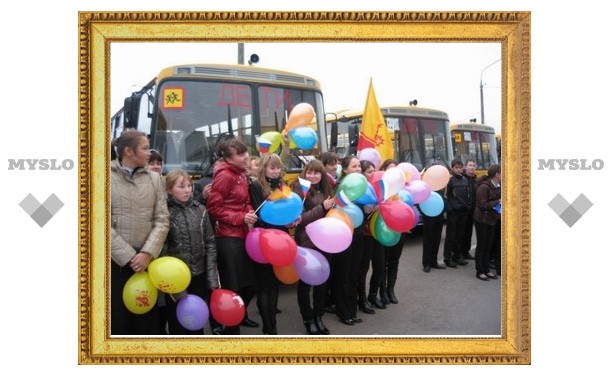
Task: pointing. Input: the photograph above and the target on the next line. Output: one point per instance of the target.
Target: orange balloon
(286, 274)
(337, 213)
(301, 115)
(436, 177)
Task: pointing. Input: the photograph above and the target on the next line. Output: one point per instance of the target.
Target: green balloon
(354, 185)
(384, 234)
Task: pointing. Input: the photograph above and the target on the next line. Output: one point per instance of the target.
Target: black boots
(375, 301)
(391, 278)
(311, 327)
(321, 326)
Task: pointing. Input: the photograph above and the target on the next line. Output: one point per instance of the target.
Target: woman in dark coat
(488, 195)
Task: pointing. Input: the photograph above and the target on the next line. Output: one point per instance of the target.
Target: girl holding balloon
(191, 238)
(318, 200)
(268, 179)
(139, 225)
(230, 206)
(372, 252)
(346, 266)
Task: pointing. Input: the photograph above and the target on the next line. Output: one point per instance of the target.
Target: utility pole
(240, 53)
(482, 117)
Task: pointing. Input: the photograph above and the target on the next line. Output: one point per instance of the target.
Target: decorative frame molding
(98, 29)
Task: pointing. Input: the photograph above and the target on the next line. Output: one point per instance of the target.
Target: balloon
(372, 222)
(330, 234)
(338, 213)
(283, 211)
(354, 185)
(380, 190)
(433, 205)
(139, 293)
(311, 266)
(274, 137)
(369, 197)
(419, 190)
(395, 178)
(436, 176)
(252, 245)
(286, 274)
(192, 312)
(376, 176)
(355, 213)
(405, 197)
(301, 114)
(371, 155)
(411, 172)
(417, 215)
(277, 247)
(384, 234)
(226, 307)
(304, 137)
(397, 215)
(169, 274)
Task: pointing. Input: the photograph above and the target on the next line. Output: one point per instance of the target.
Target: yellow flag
(374, 132)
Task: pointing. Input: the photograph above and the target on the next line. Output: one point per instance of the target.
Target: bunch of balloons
(289, 261)
(300, 134)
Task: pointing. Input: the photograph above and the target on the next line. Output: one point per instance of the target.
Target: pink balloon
(397, 215)
(419, 189)
(436, 176)
(371, 155)
(330, 234)
(252, 245)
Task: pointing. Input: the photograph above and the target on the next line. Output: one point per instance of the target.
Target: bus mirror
(333, 136)
(131, 107)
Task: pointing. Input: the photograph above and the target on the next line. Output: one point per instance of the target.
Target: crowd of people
(205, 224)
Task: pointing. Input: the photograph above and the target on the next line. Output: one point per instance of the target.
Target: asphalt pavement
(447, 302)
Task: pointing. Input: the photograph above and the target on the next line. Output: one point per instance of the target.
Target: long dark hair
(231, 147)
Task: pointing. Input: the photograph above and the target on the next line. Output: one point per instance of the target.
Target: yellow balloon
(301, 115)
(169, 274)
(139, 293)
(274, 137)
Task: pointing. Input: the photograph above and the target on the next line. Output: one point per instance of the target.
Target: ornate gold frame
(98, 29)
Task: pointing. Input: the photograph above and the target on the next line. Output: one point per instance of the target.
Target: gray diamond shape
(558, 204)
(582, 204)
(53, 204)
(41, 216)
(29, 204)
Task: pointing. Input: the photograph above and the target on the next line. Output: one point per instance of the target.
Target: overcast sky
(443, 76)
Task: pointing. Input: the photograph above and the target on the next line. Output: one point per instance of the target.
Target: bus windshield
(476, 144)
(187, 110)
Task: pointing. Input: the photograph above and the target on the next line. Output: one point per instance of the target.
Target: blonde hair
(267, 160)
(173, 177)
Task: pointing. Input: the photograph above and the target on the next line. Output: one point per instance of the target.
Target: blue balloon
(355, 213)
(368, 198)
(406, 197)
(304, 137)
(283, 211)
(433, 205)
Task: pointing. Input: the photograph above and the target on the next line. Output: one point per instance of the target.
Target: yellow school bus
(475, 141)
(187, 110)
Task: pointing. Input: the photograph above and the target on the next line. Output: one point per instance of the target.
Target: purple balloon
(251, 244)
(419, 189)
(311, 266)
(192, 312)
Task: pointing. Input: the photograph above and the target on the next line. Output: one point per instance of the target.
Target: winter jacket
(313, 210)
(192, 239)
(229, 200)
(139, 213)
(458, 194)
(487, 196)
